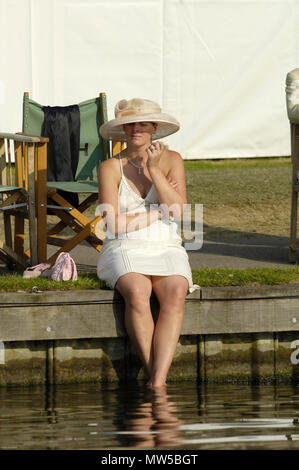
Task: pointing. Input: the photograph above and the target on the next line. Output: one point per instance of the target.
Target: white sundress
(154, 250)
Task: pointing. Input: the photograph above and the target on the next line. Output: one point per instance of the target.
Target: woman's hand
(154, 154)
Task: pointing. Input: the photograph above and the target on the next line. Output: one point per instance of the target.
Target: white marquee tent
(219, 66)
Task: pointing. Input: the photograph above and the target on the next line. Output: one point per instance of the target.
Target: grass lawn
(240, 197)
(207, 277)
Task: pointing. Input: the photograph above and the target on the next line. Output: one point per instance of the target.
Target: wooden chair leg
(19, 235)
(41, 201)
(76, 240)
(7, 230)
(31, 206)
(82, 208)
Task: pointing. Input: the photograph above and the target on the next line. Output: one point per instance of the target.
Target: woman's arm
(174, 197)
(108, 180)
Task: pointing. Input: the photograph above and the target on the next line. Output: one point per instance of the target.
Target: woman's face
(139, 133)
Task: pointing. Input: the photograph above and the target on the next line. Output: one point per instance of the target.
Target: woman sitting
(141, 191)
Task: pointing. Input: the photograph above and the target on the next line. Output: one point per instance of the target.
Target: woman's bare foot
(155, 385)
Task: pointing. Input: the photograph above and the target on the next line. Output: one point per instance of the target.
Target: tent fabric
(218, 66)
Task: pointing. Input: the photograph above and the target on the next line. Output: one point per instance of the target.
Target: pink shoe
(35, 271)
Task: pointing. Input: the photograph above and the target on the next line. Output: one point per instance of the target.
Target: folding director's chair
(92, 151)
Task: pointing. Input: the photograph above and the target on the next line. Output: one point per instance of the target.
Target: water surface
(185, 416)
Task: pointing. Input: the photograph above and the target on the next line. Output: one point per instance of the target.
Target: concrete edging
(228, 334)
(99, 314)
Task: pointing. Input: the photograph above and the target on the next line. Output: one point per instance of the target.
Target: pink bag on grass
(64, 268)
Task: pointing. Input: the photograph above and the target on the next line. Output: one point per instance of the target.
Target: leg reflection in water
(154, 423)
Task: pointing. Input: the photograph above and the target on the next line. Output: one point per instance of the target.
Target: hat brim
(166, 125)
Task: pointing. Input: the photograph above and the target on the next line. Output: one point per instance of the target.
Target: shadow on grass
(245, 245)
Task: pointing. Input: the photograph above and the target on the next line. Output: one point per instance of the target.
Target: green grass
(207, 277)
(241, 197)
(218, 277)
(15, 282)
(228, 164)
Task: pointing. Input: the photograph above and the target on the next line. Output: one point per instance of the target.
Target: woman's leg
(171, 292)
(136, 290)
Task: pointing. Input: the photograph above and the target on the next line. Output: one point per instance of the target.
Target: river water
(185, 416)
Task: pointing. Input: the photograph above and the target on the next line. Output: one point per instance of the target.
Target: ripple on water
(185, 416)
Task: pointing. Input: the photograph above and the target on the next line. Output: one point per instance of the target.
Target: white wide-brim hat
(138, 110)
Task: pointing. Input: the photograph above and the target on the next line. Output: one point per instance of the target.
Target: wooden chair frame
(23, 197)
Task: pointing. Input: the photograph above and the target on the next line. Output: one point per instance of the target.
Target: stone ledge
(249, 292)
(99, 314)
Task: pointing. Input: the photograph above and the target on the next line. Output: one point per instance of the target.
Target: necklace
(139, 168)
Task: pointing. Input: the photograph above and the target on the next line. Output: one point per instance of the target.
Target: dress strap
(121, 165)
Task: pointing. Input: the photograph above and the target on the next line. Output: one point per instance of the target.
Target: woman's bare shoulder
(111, 165)
(109, 171)
(172, 158)
(173, 154)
